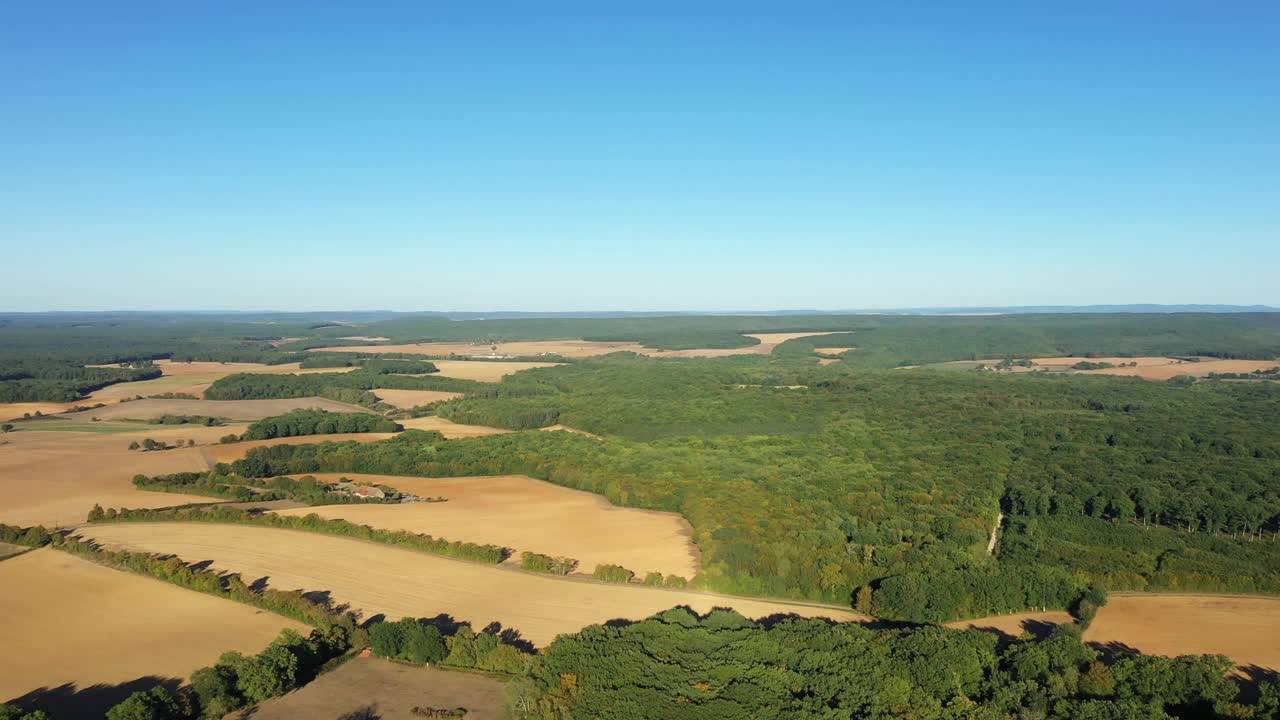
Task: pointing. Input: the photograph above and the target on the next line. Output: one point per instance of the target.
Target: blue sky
(556, 156)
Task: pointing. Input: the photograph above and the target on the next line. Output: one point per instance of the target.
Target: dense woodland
(890, 480)
(318, 422)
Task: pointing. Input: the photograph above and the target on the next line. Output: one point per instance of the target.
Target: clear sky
(555, 156)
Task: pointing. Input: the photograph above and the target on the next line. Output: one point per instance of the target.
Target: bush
(613, 574)
(537, 562)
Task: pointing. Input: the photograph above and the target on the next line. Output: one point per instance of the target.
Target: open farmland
(833, 352)
(193, 378)
(389, 691)
(413, 398)
(55, 478)
(377, 578)
(526, 514)
(82, 628)
(484, 370)
(235, 410)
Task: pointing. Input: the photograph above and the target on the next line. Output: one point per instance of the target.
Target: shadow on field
(68, 701)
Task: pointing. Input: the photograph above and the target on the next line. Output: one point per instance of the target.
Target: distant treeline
(34, 381)
(318, 422)
(345, 387)
(229, 486)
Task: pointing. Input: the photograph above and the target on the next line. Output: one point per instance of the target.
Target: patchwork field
(413, 398)
(526, 514)
(54, 478)
(243, 410)
(234, 451)
(571, 348)
(77, 626)
(388, 691)
(451, 430)
(376, 578)
(193, 378)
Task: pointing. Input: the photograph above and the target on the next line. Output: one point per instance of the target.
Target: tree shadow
(70, 701)
(1114, 649)
(259, 586)
(368, 712)
(1250, 679)
(509, 636)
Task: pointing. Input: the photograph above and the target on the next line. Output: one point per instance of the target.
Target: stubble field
(526, 514)
(75, 625)
(375, 578)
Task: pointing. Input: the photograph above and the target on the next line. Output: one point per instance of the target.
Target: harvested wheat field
(54, 478)
(230, 452)
(413, 398)
(15, 411)
(1245, 629)
(243, 410)
(526, 514)
(77, 624)
(828, 361)
(376, 578)
(386, 690)
(833, 352)
(450, 429)
(484, 370)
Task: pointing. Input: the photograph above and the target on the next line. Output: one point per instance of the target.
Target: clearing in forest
(833, 352)
(242, 410)
(375, 578)
(413, 398)
(387, 690)
(69, 625)
(519, 512)
(54, 478)
(450, 429)
(483, 370)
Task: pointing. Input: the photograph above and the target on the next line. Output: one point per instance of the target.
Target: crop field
(375, 578)
(834, 352)
(413, 398)
(55, 478)
(77, 628)
(241, 410)
(450, 429)
(1015, 624)
(389, 691)
(193, 378)
(484, 371)
(526, 514)
(230, 452)
(1245, 629)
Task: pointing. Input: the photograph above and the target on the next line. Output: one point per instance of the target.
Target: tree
(215, 691)
(158, 703)
(6, 427)
(134, 445)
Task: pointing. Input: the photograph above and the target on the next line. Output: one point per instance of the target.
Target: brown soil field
(234, 451)
(571, 348)
(484, 371)
(75, 625)
(413, 398)
(244, 410)
(451, 430)
(526, 514)
(375, 578)
(1246, 629)
(385, 690)
(54, 478)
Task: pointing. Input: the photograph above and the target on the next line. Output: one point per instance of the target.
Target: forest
(318, 422)
(887, 480)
